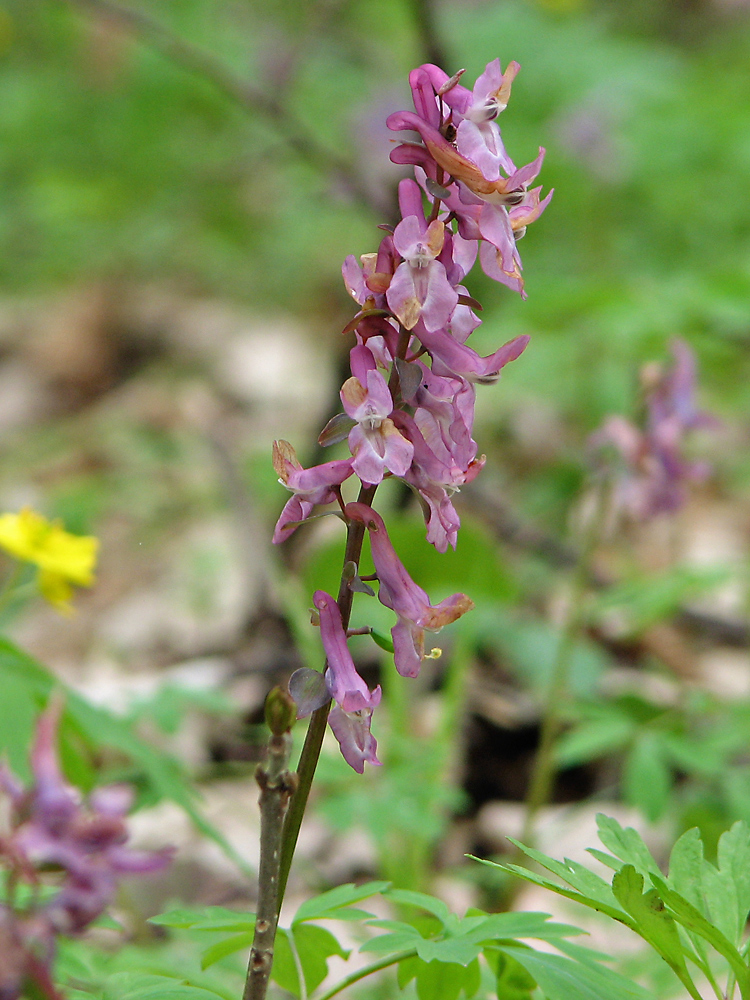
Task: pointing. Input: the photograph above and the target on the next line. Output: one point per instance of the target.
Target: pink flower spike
(350, 718)
(399, 593)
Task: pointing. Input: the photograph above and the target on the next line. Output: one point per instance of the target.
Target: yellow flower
(63, 559)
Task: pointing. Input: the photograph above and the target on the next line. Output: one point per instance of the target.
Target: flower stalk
(276, 787)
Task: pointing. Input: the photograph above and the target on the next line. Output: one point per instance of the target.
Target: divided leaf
(626, 844)
(336, 904)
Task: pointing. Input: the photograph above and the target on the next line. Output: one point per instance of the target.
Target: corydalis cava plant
(409, 403)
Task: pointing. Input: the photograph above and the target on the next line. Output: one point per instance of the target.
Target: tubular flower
(350, 717)
(375, 442)
(310, 486)
(399, 593)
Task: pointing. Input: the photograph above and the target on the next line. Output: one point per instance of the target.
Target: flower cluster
(408, 407)
(653, 472)
(52, 829)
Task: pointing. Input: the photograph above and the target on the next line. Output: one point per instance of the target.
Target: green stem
(308, 761)
(316, 730)
(367, 970)
(543, 773)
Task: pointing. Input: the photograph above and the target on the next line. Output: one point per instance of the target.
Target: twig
(204, 64)
(316, 730)
(276, 787)
(543, 773)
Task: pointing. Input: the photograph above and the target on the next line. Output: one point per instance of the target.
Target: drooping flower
(64, 560)
(310, 486)
(350, 717)
(399, 593)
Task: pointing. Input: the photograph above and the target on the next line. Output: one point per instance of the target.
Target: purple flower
(484, 183)
(375, 442)
(310, 486)
(53, 828)
(653, 473)
(351, 715)
(459, 359)
(399, 593)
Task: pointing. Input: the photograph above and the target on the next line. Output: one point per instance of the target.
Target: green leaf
(496, 926)
(227, 946)
(587, 883)
(626, 844)
(408, 937)
(313, 946)
(381, 639)
(647, 779)
(449, 950)
(332, 905)
(438, 981)
(734, 860)
(686, 866)
(209, 918)
(610, 909)
(692, 919)
(21, 705)
(592, 739)
(513, 981)
(653, 922)
(420, 899)
(407, 970)
(560, 978)
(137, 986)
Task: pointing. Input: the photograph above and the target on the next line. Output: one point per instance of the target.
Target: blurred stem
(368, 970)
(196, 60)
(9, 588)
(424, 15)
(543, 773)
(308, 760)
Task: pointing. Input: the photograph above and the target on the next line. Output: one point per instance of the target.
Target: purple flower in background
(399, 593)
(52, 828)
(653, 472)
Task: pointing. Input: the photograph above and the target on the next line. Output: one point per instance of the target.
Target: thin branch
(249, 97)
(276, 786)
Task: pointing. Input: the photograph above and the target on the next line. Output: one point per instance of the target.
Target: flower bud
(280, 710)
